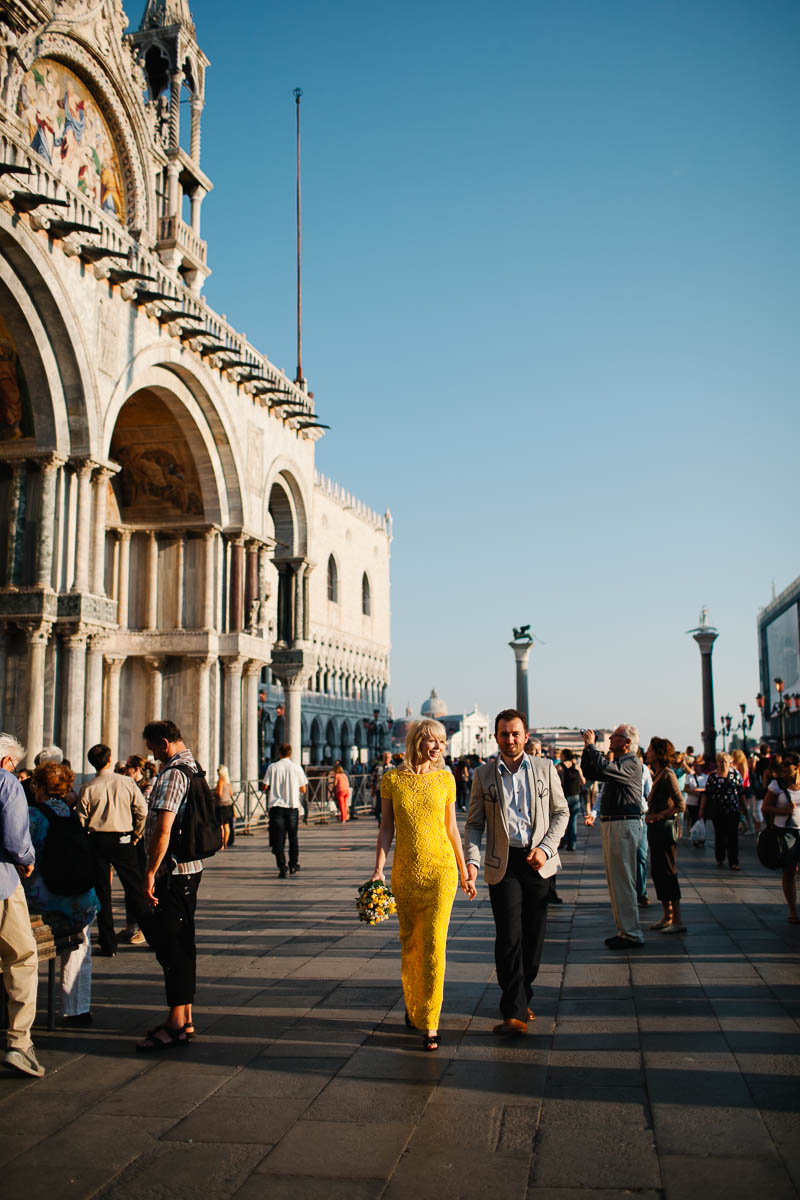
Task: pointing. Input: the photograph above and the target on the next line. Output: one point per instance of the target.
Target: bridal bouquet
(375, 902)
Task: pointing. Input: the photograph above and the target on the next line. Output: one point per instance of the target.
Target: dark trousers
(726, 838)
(133, 910)
(519, 906)
(107, 852)
(283, 821)
(663, 866)
(169, 929)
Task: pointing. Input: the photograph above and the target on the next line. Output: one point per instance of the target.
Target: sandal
(177, 1037)
(430, 1041)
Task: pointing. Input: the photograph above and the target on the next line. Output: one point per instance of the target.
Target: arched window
(333, 580)
(366, 596)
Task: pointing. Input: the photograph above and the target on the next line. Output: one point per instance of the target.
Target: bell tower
(175, 70)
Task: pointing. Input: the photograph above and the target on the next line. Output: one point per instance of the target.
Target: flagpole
(299, 376)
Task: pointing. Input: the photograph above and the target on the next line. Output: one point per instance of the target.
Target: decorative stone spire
(161, 14)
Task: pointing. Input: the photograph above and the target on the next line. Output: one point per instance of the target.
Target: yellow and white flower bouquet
(375, 902)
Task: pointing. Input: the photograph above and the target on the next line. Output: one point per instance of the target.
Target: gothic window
(333, 580)
(366, 596)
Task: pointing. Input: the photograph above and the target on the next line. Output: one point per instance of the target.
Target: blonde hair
(418, 730)
(740, 762)
(222, 773)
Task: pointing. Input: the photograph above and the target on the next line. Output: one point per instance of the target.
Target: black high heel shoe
(430, 1041)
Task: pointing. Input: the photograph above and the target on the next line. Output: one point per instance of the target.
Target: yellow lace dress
(424, 882)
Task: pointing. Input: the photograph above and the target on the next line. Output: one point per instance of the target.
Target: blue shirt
(16, 846)
(517, 792)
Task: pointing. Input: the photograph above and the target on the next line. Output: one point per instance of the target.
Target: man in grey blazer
(519, 801)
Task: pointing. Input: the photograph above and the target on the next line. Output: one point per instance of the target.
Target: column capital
(154, 662)
(83, 467)
(37, 633)
(104, 471)
(233, 664)
(98, 642)
(253, 666)
(51, 462)
(209, 533)
(76, 637)
(122, 533)
(114, 662)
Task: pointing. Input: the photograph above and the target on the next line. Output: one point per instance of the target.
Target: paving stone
(364, 1102)
(241, 1119)
(453, 1172)
(697, 1129)
(725, 1179)
(297, 1187)
(339, 1149)
(617, 1149)
(180, 1172)
(164, 1091)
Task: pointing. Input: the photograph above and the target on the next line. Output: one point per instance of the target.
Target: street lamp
(725, 729)
(745, 724)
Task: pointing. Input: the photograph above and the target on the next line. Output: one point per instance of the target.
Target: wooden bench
(51, 941)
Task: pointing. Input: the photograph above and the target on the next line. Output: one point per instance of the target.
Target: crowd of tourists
(153, 821)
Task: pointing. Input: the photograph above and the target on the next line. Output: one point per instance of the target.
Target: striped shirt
(168, 794)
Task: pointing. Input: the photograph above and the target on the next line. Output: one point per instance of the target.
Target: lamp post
(745, 724)
(780, 708)
(725, 730)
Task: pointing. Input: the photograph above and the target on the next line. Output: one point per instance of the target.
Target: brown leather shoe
(531, 1015)
(511, 1028)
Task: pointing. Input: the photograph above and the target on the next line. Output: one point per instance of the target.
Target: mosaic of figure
(67, 129)
(14, 407)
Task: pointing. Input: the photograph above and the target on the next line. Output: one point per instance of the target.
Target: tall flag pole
(298, 92)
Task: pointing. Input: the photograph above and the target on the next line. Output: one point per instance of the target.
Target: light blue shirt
(16, 847)
(517, 791)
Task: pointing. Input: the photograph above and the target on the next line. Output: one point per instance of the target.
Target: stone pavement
(670, 1072)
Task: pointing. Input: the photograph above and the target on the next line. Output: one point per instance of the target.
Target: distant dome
(434, 707)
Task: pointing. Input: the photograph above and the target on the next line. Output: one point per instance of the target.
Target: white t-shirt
(694, 781)
(790, 817)
(284, 779)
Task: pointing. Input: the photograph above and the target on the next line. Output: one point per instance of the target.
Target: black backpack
(777, 847)
(65, 860)
(199, 834)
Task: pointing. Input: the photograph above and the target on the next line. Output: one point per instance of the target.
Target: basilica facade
(167, 547)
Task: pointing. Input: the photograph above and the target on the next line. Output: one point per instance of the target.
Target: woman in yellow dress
(418, 802)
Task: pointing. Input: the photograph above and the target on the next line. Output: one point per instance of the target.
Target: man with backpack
(113, 812)
(181, 832)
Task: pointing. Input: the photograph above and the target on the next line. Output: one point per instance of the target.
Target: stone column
(180, 568)
(124, 577)
(151, 582)
(47, 520)
(196, 105)
(232, 734)
(292, 667)
(250, 582)
(196, 200)
(73, 701)
(252, 675)
(209, 576)
(15, 506)
(522, 649)
(299, 570)
(235, 605)
(705, 636)
(83, 527)
(155, 668)
(176, 79)
(202, 744)
(38, 636)
(100, 484)
(111, 708)
(94, 691)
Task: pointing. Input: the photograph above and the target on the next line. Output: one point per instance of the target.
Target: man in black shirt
(620, 773)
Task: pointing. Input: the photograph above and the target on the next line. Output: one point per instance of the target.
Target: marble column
(83, 529)
(73, 699)
(292, 668)
(123, 577)
(251, 583)
(299, 570)
(98, 575)
(196, 105)
(202, 744)
(235, 623)
(111, 708)
(252, 674)
(49, 468)
(209, 576)
(151, 582)
(94, 691)
(180, 568)
(155, 692)
(15, 505)
(38, 636)
(232, 736)
(522, 650)
(175, 81)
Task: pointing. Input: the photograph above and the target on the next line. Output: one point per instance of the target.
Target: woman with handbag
(724, 803)
(664, 806)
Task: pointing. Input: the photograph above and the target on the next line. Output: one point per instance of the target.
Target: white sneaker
(24, 1061)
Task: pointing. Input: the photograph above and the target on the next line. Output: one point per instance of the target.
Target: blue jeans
(575, 810)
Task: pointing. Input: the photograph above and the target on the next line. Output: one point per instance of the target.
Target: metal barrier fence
(250, 802)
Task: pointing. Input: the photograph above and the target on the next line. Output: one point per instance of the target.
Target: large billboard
(783, 652)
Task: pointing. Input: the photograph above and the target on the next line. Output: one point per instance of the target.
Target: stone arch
(47, 334)
(210, 450)
(346, 744)
(332, 739)
(285, 475)
(317, 743)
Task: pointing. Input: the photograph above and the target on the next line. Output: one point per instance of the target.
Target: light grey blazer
(488, 810)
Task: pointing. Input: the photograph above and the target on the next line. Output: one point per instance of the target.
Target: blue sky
(551, 314)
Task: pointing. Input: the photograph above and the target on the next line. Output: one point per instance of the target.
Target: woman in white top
(782, 803)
